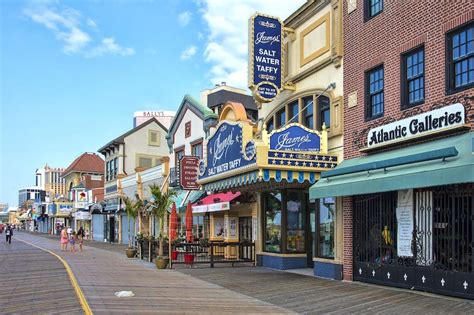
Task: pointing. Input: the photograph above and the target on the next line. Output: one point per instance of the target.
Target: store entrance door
(310, 231)
(245, 236)
(112, 229)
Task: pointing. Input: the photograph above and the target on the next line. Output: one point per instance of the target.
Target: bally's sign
(434, 121)
(295, 137)
(225, 151)
(265, 56)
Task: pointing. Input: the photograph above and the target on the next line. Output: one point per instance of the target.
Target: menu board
(405, 231)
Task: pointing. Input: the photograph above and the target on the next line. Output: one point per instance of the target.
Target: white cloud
(184, 18)
(188, 52)
(109, 46)
(91, 23)
(227, 47)
(66, 25)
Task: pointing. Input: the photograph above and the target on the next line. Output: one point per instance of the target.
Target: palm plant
(132, 208)
(161, 202)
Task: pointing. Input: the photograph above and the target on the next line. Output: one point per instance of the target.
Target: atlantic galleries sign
(265, 56)
(434, 121)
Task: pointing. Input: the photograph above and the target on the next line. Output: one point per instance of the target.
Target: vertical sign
(265, 56)
(188, 172)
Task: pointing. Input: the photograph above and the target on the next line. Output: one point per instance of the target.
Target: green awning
(180, 197)
(440, 162)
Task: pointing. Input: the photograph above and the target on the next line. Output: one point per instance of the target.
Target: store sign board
(424, 124)
(188, 172)
(265, 56)
(295, 137)
(214, 207)
(83, 215)
(224, 151)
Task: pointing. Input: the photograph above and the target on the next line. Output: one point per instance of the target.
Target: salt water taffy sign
(225, 151)
(295, 137)
(265, 56)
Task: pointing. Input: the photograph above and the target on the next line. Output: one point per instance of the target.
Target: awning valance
(215, 202)
(440, 162)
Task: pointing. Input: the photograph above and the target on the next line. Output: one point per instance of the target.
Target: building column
(347, 210)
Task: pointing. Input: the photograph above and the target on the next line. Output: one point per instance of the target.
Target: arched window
(324, 115)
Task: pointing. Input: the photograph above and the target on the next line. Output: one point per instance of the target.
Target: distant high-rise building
(51, 181)
(163, 116)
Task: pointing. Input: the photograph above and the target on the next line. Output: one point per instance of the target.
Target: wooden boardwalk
(310, 295)
(101, 273)
(33, 282)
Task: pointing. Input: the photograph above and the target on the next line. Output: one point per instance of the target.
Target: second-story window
(324, 112)
(115, 167)
(196, 149)
(372, 8)
(281, 118)
(460, 59)
(107, 170)
(413, 78)
(308, 119)
(177, 156)
(293, 112)
(374, 81)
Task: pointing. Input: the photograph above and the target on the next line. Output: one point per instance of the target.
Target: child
(72, 241)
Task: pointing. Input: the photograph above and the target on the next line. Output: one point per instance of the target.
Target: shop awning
(267, 175)
(215, 202)
(192, 196)
(440, 162)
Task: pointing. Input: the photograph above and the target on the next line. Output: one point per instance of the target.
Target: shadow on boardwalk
(304, 294)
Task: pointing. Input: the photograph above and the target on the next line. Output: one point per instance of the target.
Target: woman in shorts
(64, 239)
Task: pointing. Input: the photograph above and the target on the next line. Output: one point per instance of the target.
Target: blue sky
(73, 72)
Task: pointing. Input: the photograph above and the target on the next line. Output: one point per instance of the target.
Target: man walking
(9, 234)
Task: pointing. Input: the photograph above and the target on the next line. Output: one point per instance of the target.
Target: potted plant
(131, 208)
(161, 202)
(174, 252)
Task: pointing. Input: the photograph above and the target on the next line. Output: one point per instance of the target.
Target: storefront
(83, 219)
(411, 209)
(271, 173)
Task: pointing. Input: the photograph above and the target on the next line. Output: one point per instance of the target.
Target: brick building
(407, 176)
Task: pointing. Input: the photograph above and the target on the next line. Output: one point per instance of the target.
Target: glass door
(311, 231)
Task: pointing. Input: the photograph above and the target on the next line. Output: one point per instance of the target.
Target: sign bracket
(290, 33)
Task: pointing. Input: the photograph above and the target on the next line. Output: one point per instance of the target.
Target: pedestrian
(87, 234)
(80, 238)
(64, 239)
(72, 241)
(9, 234)
(69, 231)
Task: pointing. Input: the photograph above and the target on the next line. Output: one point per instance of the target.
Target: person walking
(80, 238)
(9, 234)
(72, 241)
(64, 239)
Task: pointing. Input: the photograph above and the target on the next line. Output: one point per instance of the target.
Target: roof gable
(86, 162)
(197, 108)
(120, 139)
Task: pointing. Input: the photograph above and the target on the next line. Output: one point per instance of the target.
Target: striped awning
(267, 176)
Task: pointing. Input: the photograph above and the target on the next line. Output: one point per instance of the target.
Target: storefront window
(273, 210)
(198, 226)
(325, 231)
(295, 223)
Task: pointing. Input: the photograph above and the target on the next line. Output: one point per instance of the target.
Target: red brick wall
(401, 26)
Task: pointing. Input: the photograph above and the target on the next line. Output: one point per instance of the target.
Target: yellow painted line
(80, 295)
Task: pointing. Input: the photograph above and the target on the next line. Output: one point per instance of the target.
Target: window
(308, 112)
(325, 230)
(187, 129)
(324, 112)
(413, 78)
(154, 137)
(177, 156)
(196, 149)
(460, 59)
(295, 224)
(145, 162)
(281, 118)
(372, 8)
(374, 93)
(107, 170)
(273, 210)
(115, 167)
(293, 110)
(270, 125)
